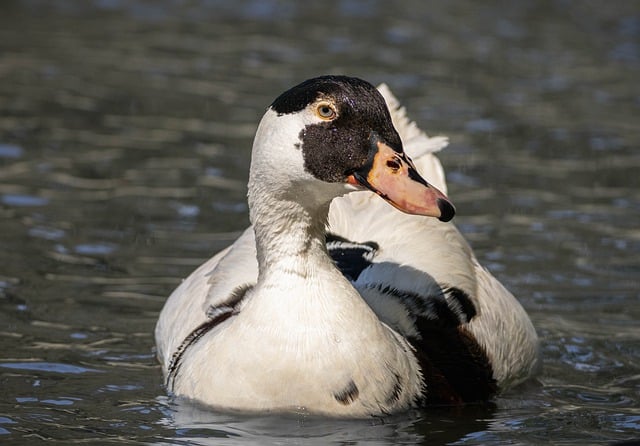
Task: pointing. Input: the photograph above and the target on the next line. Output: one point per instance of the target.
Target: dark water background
(125, 132)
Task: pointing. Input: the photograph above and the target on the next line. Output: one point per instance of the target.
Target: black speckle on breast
(396, 390)
(347, 395)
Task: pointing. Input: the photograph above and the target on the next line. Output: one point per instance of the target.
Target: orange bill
(393, 176)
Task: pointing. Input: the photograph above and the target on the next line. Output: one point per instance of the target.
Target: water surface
(125, 135)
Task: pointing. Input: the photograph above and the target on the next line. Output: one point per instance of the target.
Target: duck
(352, 294)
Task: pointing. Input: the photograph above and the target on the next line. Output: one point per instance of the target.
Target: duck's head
(333, 134)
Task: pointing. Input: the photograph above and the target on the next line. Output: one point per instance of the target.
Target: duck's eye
(326, 111)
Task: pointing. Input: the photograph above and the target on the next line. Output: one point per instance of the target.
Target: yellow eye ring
(326, 111)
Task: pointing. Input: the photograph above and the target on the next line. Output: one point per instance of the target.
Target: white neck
(290, 231)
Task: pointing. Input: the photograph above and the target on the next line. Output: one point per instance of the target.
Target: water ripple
(49, 367)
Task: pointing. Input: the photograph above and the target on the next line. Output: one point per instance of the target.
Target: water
(125, 130)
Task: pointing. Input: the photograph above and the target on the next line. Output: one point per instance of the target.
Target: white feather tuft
(416, 142)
